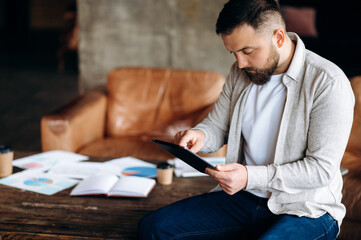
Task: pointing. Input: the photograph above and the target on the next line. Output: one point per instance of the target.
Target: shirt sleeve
(216, 124)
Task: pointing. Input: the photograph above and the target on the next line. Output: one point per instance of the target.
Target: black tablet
(185, 155)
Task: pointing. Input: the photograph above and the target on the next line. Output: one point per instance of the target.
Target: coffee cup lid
(5, 149)
(164, 165)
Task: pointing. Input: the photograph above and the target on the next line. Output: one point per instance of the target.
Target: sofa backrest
(354, 143)
(156, 102)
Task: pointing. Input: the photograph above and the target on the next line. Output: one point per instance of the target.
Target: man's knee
(152, 226)
(147, 227)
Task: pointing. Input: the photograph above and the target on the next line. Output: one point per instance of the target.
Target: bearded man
(286, 115)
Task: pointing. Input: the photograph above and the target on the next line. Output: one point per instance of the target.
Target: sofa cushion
(146, 101)
(301, 20)
(352, 186)
(350, 228)
(354, 145)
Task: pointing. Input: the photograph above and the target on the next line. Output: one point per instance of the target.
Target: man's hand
(231, 177)
(192, 139)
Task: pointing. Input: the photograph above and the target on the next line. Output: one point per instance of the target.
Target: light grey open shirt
(305, 178)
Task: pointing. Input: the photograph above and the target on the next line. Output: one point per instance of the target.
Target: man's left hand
(231, 177)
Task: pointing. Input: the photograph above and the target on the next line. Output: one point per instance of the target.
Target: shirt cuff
(257, 178)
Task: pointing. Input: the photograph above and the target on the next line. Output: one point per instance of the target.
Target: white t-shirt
(261, 121)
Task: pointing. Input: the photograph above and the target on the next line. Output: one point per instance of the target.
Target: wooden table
(29, 215)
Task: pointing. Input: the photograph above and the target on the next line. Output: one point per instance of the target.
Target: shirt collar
(296, 68)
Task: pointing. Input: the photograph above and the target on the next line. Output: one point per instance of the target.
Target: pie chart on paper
(38, 182)
(140, 172)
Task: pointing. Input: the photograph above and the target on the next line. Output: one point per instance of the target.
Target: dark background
(338, 25)
(31, 35)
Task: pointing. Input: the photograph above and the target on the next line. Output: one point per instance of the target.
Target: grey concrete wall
(155, 33)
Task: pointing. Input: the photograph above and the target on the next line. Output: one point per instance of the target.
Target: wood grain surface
(29, 215)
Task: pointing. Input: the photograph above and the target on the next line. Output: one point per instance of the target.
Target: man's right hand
(192, 139)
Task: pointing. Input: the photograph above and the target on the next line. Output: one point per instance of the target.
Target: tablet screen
(185, 155)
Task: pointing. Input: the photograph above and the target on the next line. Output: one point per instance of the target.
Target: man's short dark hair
(252, 12)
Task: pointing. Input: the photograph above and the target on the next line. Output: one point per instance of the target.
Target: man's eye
(248, 53)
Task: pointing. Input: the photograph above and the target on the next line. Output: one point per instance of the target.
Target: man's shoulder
(320, 66)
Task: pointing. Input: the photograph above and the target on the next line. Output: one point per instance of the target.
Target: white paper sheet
(130, 166)
(82, 170)
(37, 181)
(46, 160)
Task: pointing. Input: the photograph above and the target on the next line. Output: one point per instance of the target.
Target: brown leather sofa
(351, 226)
(138, 104)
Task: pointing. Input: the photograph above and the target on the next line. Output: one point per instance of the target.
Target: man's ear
(279, 37)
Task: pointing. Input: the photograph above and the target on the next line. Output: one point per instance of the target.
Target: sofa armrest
(76, 124)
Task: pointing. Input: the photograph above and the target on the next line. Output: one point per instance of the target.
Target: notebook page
(132, 186)
(95, 184)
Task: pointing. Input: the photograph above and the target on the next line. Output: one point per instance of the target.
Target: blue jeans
(218, 215)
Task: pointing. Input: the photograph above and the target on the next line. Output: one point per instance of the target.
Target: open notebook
(113, 186)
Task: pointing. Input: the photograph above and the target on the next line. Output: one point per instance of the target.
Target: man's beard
(262, 76)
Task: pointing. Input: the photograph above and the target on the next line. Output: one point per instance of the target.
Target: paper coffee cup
(165, 173)
(6, 160)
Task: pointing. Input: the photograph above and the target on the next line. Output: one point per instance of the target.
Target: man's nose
(242, 62)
